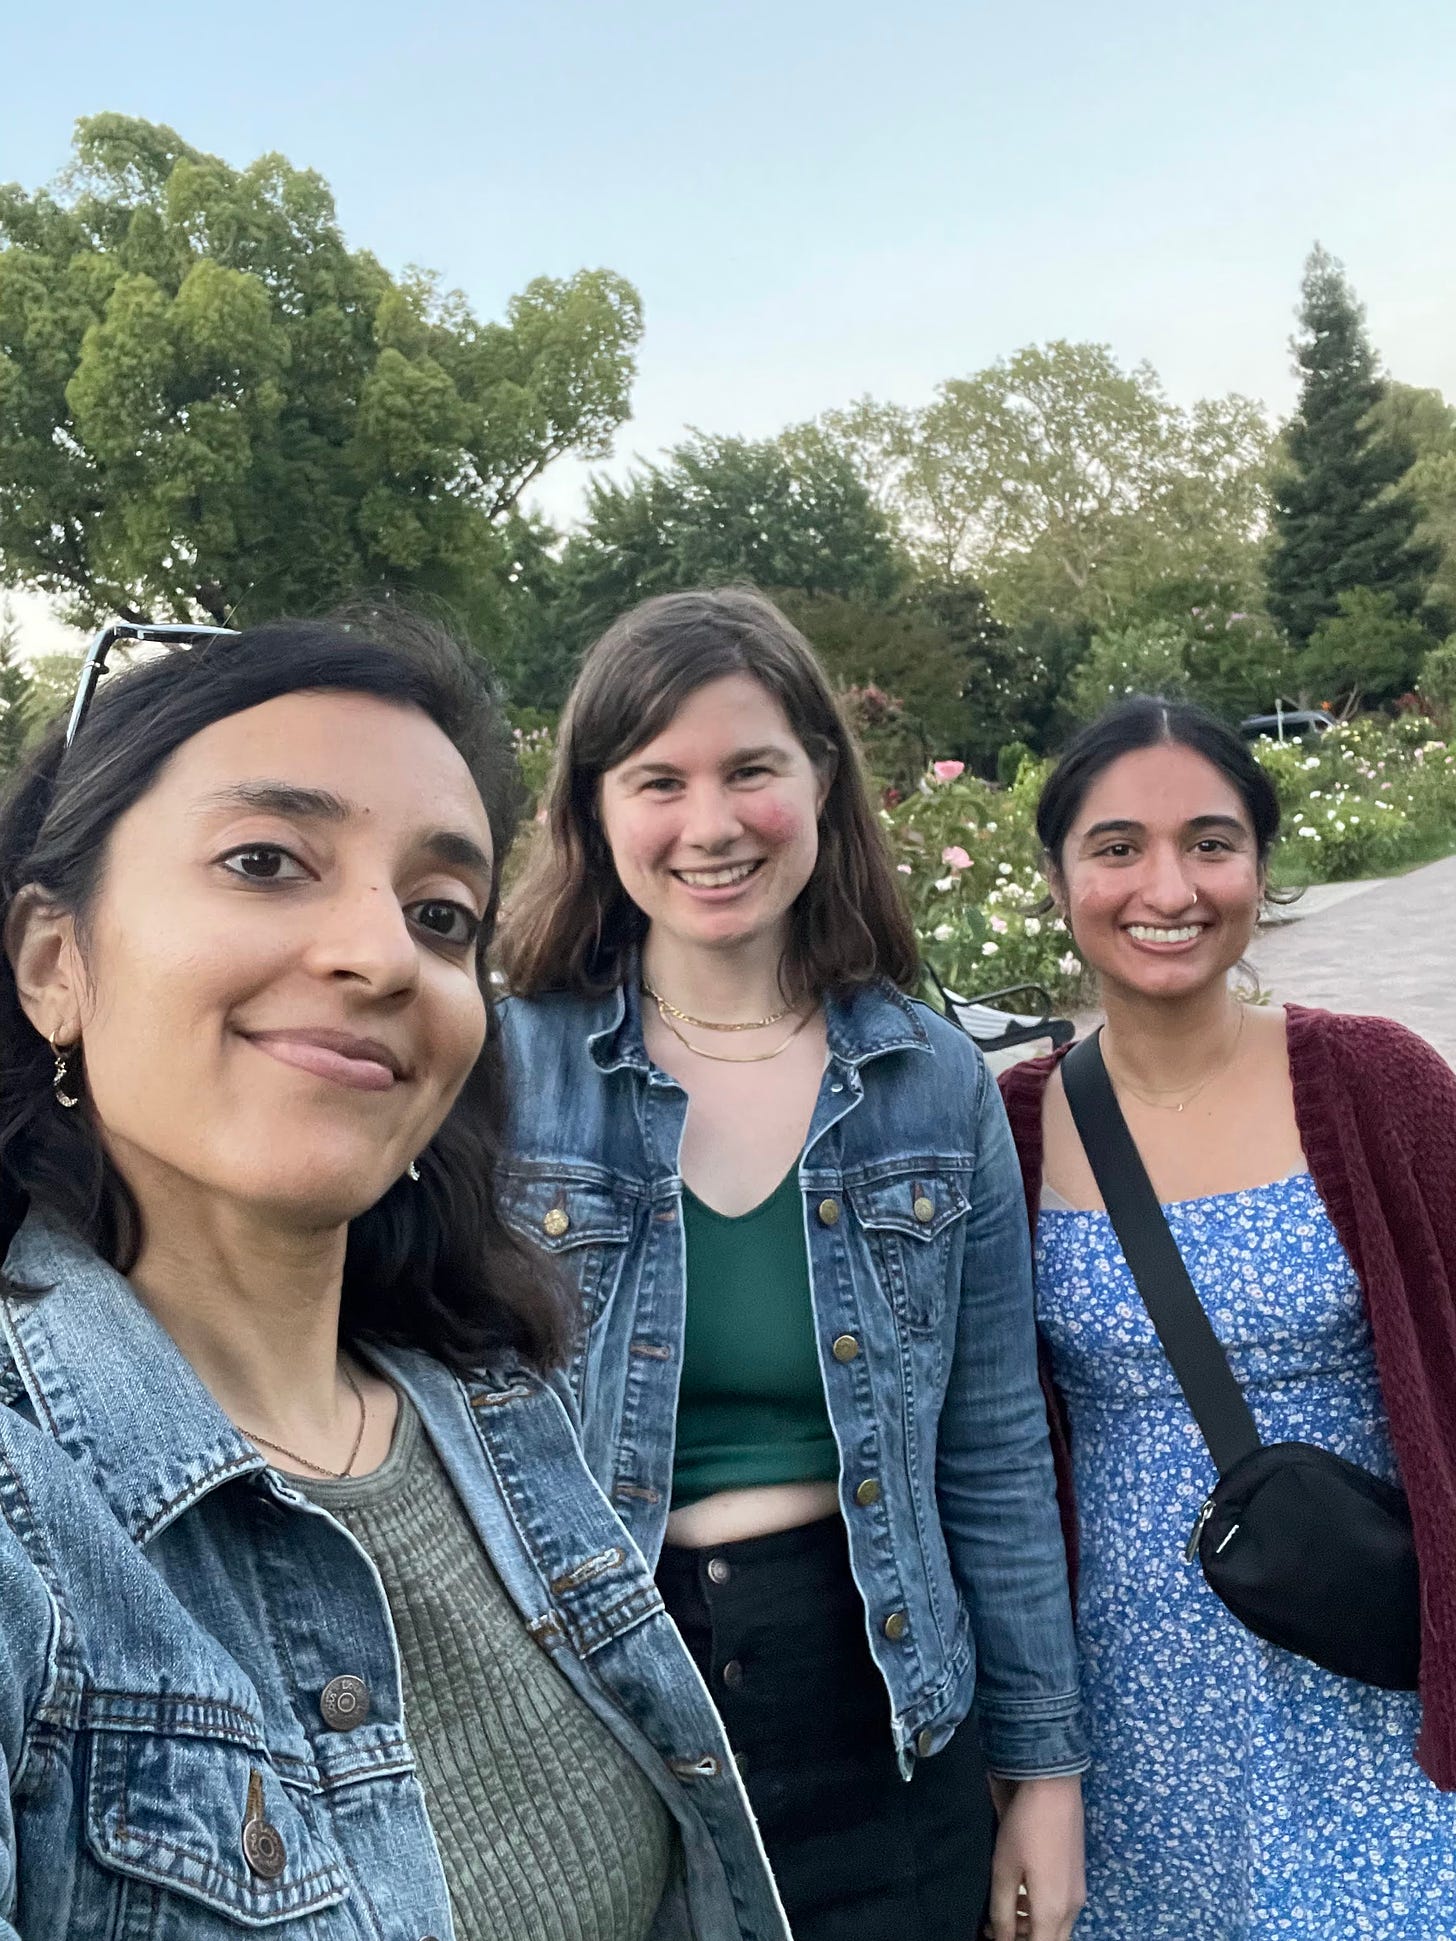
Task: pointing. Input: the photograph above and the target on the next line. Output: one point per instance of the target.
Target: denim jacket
(921, 1278)
(171, 1612)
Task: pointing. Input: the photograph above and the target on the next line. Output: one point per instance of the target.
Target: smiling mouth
(358, 1064)
(719, 879)
(1147, 933)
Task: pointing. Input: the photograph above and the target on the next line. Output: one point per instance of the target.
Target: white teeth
(1147, 934)
(715, 879)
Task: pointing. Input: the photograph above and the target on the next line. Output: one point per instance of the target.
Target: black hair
(431, 1265)
(1146, 721)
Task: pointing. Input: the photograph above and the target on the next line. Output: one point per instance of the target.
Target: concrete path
(1388, 948)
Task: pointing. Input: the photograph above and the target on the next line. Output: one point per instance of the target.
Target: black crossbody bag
(1306, 1549)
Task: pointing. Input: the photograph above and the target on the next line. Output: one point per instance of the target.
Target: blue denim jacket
(921, 1276)
(171, 1610)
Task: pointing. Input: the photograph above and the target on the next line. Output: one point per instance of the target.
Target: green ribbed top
(547, 1828)
(751, 1408)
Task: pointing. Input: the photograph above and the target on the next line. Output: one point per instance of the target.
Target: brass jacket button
(924, 1210)
(828, 1213)
(845, 1348)
(895, 1626)
(263, 1849)
(867, 1493)
(924, 1740)
(344, 1702)
(556, 1222)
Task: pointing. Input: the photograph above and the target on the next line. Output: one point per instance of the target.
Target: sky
(821, 201)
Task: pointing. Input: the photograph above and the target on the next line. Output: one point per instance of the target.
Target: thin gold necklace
(708, 1024)
(719, 1058)
(334, 1475)
(1161, 1105)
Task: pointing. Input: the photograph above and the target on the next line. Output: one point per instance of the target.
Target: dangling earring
(412, 1171)
(62, 1078)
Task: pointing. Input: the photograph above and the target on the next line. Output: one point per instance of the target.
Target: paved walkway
(1384, 947)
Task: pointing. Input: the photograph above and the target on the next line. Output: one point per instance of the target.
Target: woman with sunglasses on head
(789, 1203)
(313, 1618)
(1306, 1168)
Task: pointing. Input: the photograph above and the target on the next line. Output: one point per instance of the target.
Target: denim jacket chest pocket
(914, 1227)
(584, 1225)
(195, 1837)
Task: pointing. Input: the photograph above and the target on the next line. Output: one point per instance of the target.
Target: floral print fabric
(1237, 1793)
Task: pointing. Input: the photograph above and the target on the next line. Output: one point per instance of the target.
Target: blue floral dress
(1237, 1793)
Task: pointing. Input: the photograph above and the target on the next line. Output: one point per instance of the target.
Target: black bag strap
(1150, 1250)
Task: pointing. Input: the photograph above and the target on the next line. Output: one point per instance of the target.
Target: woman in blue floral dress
(1238, 1792)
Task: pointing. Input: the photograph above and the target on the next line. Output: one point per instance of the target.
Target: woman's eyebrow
(283, 798)
(1113, 826)
(1218, 822)
(450, 847)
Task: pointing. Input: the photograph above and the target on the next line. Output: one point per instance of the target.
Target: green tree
(1425, 423)
(901, 652)
(1341, 517)
(1069, 487)
(783, 513)
(210, 406)
(1437, 683)
(1367, 650)
(1147, 659)
(15, 693)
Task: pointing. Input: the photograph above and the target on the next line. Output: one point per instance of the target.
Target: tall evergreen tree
(1340, 520)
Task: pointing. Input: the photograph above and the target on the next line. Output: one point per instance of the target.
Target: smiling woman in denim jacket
(788, 1198)
(314, 1622)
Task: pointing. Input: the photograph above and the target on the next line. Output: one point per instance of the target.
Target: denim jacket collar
(870, 1021)
(112, 1387)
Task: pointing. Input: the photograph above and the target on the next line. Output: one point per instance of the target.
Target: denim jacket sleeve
(27, 1649)
(995, 1482)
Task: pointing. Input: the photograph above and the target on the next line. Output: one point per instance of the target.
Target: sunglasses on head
(94, 665)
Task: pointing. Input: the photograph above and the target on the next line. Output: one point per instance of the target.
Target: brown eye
(452, 923)
(263, 863)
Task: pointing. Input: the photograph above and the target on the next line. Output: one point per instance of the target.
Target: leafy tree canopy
(1067, 486)
(210, 406)
(782, 513)
(1368, 650)
(1341, 519)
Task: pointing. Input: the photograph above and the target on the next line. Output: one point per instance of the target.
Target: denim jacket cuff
(1051, 1741)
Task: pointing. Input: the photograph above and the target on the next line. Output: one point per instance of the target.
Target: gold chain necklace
(1161, 1105)
(707, 1024)
(334, 1475)
(718, 1057)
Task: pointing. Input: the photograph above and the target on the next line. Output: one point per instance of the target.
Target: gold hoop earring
(61, 1079)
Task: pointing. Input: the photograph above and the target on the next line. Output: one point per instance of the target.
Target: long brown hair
(570, 926)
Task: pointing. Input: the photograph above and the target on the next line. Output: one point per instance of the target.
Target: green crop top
(751, 1408)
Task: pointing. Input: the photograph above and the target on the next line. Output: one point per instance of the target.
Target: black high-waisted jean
(777, 1627)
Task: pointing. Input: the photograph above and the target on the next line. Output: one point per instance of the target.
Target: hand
(1037, 1882)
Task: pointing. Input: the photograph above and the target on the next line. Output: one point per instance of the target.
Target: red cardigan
(1376, 1109)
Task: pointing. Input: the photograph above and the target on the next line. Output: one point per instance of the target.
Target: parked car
(1288, 724)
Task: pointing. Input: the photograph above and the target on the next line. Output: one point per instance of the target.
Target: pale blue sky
(818, 200)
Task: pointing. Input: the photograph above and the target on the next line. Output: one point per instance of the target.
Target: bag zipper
(1190, 1550)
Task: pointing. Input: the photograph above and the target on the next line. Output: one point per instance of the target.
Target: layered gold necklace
(669, 1012)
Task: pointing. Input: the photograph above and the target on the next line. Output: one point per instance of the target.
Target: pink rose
(955, 856)
(948, 771)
